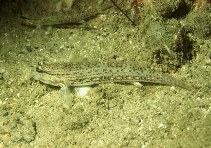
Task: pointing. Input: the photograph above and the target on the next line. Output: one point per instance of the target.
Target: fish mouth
(40, 70)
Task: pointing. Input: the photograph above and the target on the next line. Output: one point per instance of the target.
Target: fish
(82, 74)
(60, 13)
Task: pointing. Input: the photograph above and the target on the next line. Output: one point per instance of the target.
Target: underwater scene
(105, 73)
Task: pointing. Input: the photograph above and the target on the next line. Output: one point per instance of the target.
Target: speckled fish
(87, 74)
